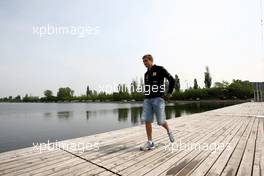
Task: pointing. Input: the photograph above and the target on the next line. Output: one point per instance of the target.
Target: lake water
(21, 124)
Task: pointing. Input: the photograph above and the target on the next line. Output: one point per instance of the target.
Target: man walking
(154, 101)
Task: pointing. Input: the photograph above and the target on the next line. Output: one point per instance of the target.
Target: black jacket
(154, 82)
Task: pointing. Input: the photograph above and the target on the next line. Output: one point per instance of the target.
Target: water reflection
(133, 114)
(47, 114)
(88, 114)
(136, 113)
(123, 114)
(172, 110)
(64, 114)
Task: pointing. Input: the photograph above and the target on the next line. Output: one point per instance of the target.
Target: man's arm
(171, 80)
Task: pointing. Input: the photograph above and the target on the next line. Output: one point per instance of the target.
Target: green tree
(29, 98)
(207, 78)
(133, 87)
(65, 93)
(122, 88)
(222, 84)
(25, 98)
(88, 91)
(177, 85)
(48, 93)
(122, 93)
(142, 84)
(18, 98)
(240, 89)
(195, 84)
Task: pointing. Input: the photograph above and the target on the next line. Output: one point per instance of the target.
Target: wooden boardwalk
(226, 141)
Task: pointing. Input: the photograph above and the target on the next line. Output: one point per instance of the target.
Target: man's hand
(166, 97)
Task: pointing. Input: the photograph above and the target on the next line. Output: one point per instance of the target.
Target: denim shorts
(153, 106)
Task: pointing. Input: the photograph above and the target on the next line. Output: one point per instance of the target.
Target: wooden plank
(232, 166)
(130, 142)
(206, 155)
(259, 149)
(68, 167)
(179, 162)
(158, 134)
(160, 165)
(195, 133)
(209, 159)
(220, 163)
(262, 152)
(26, 165)
(110, 141)
(133, 160)
(15, 165)
(246, 164)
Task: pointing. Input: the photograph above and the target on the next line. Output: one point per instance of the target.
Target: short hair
(148, 56)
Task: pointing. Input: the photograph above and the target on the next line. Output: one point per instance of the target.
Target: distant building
(258, 91)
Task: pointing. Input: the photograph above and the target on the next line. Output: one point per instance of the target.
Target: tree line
(238, 89)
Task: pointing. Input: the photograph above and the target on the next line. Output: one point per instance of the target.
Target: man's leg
(166, 126)
(161, 116)
(148, 119)
(149, 144)
(170, 134)
(160, 113)
(149, 130)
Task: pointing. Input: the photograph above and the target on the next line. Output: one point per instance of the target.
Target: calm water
(21, 124)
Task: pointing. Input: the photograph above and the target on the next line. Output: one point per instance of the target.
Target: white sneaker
(171, 136)
(147, 146)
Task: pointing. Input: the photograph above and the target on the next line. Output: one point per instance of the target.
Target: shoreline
(168, 101)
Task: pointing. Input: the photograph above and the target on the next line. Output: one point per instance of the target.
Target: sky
(184, 36)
